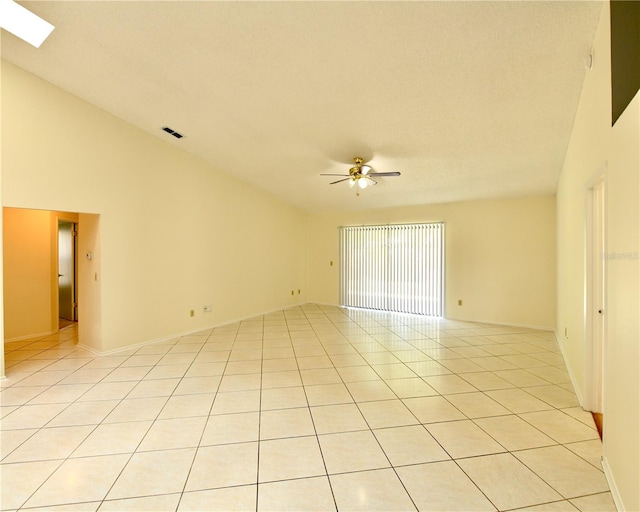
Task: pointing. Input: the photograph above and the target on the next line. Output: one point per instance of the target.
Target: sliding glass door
(393, 268)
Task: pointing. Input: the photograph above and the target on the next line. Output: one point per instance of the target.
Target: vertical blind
(393, 268)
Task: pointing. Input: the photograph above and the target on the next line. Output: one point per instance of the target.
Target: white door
(595, 313)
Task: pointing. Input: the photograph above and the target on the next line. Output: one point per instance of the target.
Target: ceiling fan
(361, 175)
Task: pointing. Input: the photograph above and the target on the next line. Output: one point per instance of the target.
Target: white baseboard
(29, 336)
(574, 383)
(615, 493)
(490, 322)
(184, 333)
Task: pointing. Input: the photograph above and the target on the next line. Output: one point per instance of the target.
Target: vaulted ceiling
(468, 100)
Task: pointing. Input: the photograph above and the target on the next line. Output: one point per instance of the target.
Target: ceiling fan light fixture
(360, 176)
(23, 23)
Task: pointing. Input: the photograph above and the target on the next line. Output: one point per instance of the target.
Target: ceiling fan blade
(384, 174)
(334, 182)
(334, 175)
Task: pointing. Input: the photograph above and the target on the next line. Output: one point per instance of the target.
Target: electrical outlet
(459, 302)
(192, 312)
(208, 309)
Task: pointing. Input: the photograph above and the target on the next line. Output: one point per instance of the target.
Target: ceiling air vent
(172, 132)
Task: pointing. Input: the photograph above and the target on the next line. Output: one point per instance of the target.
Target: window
(393, 268)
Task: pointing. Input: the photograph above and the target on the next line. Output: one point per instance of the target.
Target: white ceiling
(467, 100)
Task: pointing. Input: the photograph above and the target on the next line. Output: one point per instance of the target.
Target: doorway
(595, 299)
(67, 273)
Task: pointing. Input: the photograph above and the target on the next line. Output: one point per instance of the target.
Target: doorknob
(600, 311)
(59, 275)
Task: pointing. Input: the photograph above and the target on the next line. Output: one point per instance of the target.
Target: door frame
(595, 279)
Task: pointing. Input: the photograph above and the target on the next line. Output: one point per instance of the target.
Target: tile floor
(311, 408)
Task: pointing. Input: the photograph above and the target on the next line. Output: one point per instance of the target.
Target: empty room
(320, 255)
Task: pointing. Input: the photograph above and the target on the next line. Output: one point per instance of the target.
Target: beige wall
(597, 149)
(28, 268)
(2, 369)
(622, 381)
(500, 257)
(174, 234)
(586, 159)
(89, 282)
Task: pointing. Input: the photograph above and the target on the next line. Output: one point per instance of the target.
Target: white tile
(305, 494)
(284, 379)
(507, 482)
(184, 406)
(409, 445)
(173, 433)
(486, 381)
(20, 395)
(477, 405)
(73, 507)
(159, 503)
(370, 390)
(79, 480)
(49, 444)
(283, 423)
(560, 426)
(379, 490)
(591, 451)
(22, 480)
(330, 419)
(108, 391)
(567, 473)
(518, 400)
(224, 466)
(154, 388)
(554, 395)
(514, 433)
(229, 499)
(127, 373)
(442, 486)
(464, 439)
(602, 502)
(11, 439)
(149, 473)
(449, 383)
(556, 506)
(352, 451)
(241, 382)
(433, 409)
(231, 428)
(113, 438)
(282, 459)
(236, 401)
(283, 398)
(138, 409)
(387, 413)
(84, 413)
(327, 394)
(314, 376)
